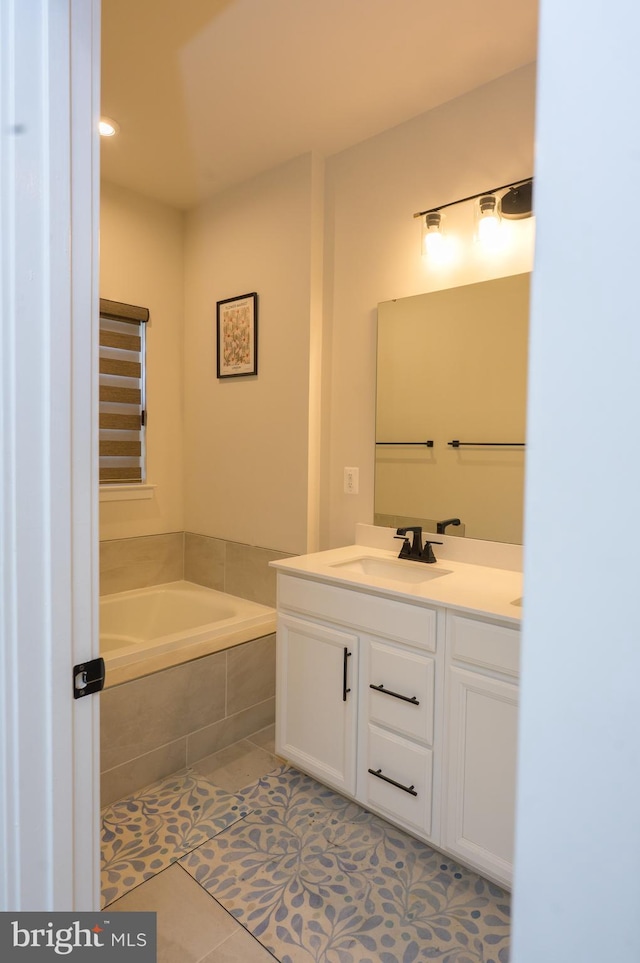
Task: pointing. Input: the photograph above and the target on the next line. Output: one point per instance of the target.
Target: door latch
(88, 677)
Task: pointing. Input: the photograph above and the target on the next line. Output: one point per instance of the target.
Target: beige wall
(141, 262)
(247, 439)
(475, 142)
(255, 448)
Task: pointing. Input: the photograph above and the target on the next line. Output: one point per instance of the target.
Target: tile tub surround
(159, 724)
(243, 570)
(231, 567)
(130, 563)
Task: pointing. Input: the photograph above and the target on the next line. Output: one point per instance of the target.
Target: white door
(316, 697)
(49, 797)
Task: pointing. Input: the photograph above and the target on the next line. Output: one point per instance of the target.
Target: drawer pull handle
(346, 655)
(398, 785)
(396, 695)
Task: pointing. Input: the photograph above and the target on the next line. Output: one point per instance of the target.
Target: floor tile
(190, 923)
(265, 738)
(144, 833)
(239, 765)
(316, 878)
(239, 948)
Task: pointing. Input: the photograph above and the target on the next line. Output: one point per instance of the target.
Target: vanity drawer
(405, 792)
(405, 701)
(484, 644)
(372, 613)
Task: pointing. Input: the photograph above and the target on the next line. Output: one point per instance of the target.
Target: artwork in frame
(237, 335)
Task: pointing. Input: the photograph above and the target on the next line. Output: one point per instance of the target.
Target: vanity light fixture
(516, 202)
(108, 127)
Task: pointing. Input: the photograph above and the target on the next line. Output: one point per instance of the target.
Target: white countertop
(479, 589)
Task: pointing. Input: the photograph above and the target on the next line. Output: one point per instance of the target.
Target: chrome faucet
(414, 551)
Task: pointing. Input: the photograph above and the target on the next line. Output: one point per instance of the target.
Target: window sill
(125, 493)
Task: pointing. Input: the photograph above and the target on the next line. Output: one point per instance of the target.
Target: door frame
(49, 215)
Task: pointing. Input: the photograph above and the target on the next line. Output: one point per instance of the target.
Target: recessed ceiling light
(108, 127)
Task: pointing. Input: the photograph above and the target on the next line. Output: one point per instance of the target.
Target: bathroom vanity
(397, 685)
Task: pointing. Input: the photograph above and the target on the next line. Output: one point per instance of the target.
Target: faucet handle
(405, 551)
(427, 552)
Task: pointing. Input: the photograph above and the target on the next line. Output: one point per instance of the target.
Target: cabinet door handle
(344, 674)
(396, 695)
(398, 785)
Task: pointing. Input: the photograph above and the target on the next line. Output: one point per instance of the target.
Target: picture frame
(237, 336)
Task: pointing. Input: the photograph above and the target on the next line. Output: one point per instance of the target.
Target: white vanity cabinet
(321, 632)
(481, 720)
(410, 707)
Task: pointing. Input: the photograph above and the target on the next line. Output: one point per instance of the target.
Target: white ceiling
(211, 92)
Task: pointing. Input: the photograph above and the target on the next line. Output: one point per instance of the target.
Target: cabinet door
(316, 689)
(481, 771)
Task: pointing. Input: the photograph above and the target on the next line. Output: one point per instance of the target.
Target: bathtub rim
(149, 664)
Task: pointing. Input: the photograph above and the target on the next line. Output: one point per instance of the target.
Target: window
(122, 394)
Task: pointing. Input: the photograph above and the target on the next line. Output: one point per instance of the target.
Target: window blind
(122, 392)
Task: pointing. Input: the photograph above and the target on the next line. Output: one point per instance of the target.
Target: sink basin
(397, 571)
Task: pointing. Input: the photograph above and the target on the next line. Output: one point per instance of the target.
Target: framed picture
(237, 336)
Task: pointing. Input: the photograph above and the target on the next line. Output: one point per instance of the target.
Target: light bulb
(488, 220)
(434, 244)
(488, 228)
(433, 241)
(108, 127)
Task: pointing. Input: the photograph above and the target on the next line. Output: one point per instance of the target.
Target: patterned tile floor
(309, 876)
(145, 833)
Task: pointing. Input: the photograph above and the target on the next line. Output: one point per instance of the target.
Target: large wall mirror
(451, 409)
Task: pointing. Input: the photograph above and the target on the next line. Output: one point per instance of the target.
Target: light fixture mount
(521, 195)
(488, 204)
(518, 201)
